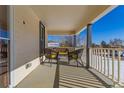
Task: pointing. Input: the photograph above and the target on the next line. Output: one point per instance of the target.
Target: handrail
(109, 48)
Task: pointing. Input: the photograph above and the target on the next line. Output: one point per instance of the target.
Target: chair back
(47, 51)
(61, 49)
(80, 53)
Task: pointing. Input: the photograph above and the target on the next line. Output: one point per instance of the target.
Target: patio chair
(76, 55)
(63, 52)
(50, 55)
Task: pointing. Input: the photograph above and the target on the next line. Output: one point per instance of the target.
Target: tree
(116, 43)
(104, 44)
(68, 41)
(51, 41)
(94, 45)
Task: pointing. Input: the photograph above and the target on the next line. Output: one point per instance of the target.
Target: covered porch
(95, 66)
(54, 47)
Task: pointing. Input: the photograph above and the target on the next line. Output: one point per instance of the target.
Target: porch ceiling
(67, 18)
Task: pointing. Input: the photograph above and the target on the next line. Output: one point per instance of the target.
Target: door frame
(41, 28)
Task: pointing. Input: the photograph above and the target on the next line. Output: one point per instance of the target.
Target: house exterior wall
(25, 43)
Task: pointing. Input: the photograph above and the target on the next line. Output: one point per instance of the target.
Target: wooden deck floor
(69, 76)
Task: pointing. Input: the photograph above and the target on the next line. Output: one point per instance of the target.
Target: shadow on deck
(71, 76)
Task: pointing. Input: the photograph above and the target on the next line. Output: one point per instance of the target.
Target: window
(4, 47)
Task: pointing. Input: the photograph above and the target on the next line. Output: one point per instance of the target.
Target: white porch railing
(110, 62)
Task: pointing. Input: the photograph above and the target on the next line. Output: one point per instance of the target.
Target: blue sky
(82, 37)
(110, 26)
(57, 38)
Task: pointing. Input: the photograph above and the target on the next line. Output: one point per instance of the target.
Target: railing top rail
(110, 48)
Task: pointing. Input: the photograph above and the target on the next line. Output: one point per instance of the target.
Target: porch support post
(74, 40)
(89, 44)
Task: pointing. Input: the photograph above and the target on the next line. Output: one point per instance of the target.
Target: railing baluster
(113, 59)
(104, 61)
(119, 59)
(91, 53)
(98, 58)
(108, 61)
(90, 58)
(101, 60)
(94, 58)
